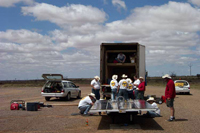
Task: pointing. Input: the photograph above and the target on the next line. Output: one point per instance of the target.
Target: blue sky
(59, 36)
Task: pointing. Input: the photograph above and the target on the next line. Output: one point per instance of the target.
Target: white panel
(142, 64)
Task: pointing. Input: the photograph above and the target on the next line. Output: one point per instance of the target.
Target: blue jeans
(140, 95)
(130, 94)
(113, 94)
(136, 93)
(123, 92)
(96, 92)
(152, 114)
(85, 109)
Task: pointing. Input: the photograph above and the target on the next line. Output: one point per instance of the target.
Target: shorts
(170, 103)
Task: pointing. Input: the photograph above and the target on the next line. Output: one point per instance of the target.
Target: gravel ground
(59, 119)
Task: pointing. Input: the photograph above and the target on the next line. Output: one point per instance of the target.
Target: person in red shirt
(170, 94)
(141, 89)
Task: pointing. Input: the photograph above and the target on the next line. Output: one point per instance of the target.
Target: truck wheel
(47, 98)
(68, 97)
(79, 95)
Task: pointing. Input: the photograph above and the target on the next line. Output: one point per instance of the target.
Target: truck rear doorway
(119, 70)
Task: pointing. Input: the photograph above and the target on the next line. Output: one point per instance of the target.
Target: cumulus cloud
(195, 2)
(10, 3)
(73, 15)
(169, 32)
(23, 36)
(119, 4)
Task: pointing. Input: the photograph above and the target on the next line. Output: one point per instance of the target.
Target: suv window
(72, 85)
(66, 85)
(184, 83)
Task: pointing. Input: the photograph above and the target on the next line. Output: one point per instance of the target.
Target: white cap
(124, 76)
(114, 77)
(97, 77)
(166, 76)
(92, 95)
(141, 78)
(151, 99)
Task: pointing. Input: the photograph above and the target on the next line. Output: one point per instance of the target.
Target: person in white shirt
(122, 87)
(86, 103)
(156, 113)
(113, 86)
(135, 85)
(130, 89)
(96, 87)
(121, 58)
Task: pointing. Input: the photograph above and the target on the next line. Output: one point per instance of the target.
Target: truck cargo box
(133, 65)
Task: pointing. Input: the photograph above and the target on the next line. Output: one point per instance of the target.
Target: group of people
(126, 88)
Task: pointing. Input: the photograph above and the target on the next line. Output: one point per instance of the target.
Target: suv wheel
(47, 98)
(68, 96)
(79, 95)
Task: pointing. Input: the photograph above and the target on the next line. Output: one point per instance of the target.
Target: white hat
(151, 99)
(97, 77)
(124, 76)
(129, 80)
(166, 76)
(92, 95)
(141, 78)
(114, 77)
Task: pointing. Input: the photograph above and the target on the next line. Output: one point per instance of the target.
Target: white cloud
(10, 3)
(119, 4)
(23, 37)
(169, 32)
(195, 2)
(71, 15)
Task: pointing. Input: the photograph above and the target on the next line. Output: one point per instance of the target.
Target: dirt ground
(59, 119)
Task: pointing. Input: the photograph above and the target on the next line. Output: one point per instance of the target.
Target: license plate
(122, 111)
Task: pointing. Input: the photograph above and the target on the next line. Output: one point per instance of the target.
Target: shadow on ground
(122, 121)
(184, 94)
(62, 100)
(181, 120)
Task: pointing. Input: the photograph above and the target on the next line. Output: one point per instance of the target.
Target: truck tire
(47, 98)
(79, 95)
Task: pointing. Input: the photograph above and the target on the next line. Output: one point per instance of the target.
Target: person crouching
(86, 103)
(156, 113)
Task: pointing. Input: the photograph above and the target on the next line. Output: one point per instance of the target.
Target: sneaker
(171, 119)
(81, 112)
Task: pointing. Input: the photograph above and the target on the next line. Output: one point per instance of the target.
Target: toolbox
(32, 106)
